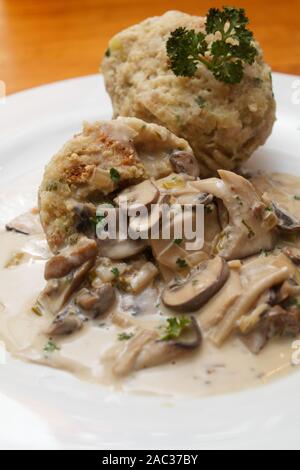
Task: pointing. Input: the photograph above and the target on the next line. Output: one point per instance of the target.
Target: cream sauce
(206, 372)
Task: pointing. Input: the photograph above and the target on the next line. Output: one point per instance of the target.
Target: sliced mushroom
(293, 253)
(191, 337)
(289, 288)
(146, 350)
(252, 290)
(193, 293)
(251, 225)
(121, 249)
(223, 215)
(142, 194)
(143, 277)
(67, 322)
(185, 162)
(58, 291)
(281, 192)
(25, 224)
(98, 301)
(275, 322)
(285, 220)
(194, 198)
(61, 265)
(215, 309)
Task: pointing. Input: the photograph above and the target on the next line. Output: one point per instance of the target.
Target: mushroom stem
(244, 304)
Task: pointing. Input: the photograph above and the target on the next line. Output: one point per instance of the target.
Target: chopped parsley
(297, 198)
(115, 272)
(177, 241)
(239, 201)
(264, 253)
(225, 57)
(114, 175)
(107, 53)
(37, 310)
(174, 327)
(181, 263)
(50, 347)
(125, 336)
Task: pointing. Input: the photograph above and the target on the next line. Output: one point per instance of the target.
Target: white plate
(44, 408)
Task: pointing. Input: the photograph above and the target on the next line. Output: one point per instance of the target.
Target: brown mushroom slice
(185, 162)
(281, 191)
(275, 322)
(146, 350)
(67, 322)
(285, 220)
(251, 225)
(98, 301)
(58, 291)
(245, 302)
(122, 249)
(193, 293)
(71, 258)
(142, 194)
(247, 323)
(289, 288)
(25, 224)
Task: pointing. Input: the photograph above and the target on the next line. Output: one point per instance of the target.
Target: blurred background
(47, 40)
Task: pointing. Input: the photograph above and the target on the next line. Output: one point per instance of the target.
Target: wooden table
(46, 40)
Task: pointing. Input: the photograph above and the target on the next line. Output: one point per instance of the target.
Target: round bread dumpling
(224, 123)
(105, 157)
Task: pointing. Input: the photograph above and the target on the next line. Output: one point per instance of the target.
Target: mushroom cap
(191, 294)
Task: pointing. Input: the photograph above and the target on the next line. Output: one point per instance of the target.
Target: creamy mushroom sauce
(210, 370)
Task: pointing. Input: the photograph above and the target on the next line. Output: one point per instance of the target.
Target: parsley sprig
(225, 57)
(174, 327)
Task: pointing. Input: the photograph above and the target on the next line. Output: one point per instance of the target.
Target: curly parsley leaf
(181, 263)
(115, 271)
(184, 48)
(174, 327)
(125, 336)
(225, 57)
(50, 347)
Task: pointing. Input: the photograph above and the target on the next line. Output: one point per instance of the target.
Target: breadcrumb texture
(78, 177)
(224, 124)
